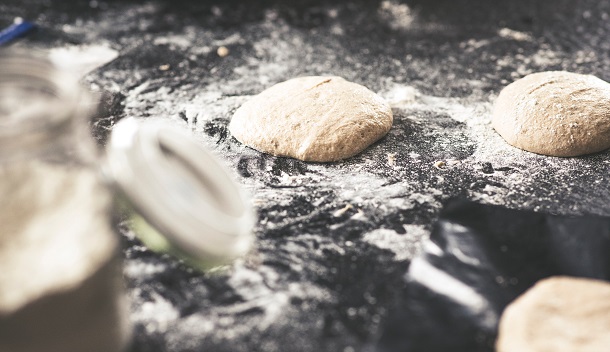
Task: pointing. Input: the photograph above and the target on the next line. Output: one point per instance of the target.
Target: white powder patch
(515, 35)
(397, 15)
(176, 41)
(404, 246)
(142, 270)
(401, 95)
(156, 315)
(473, 45)
(259, 290)
(233, 39)
(82, 59)
(526, 64)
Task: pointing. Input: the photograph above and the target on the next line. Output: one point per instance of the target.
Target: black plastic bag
(478, 259)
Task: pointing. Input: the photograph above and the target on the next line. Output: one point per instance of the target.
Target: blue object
(15, 31)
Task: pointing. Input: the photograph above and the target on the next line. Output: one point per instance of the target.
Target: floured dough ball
(312, 119)
(560, 314)
(555, 113)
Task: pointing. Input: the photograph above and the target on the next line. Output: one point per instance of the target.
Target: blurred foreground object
(62, 288)
(182, 200)
(61, 277)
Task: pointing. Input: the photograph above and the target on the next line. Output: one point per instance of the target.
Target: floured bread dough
(555, 113)
(313, 119)
(559, 314)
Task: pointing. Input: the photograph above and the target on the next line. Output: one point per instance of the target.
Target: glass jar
(62, 291)
(60, 283)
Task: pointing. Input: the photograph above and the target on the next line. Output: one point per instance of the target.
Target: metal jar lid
(189, 199)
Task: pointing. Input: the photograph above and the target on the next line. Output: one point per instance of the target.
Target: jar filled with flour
(60, 283)
(61, 286)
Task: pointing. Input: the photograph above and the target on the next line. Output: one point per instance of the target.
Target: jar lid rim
(180, 189)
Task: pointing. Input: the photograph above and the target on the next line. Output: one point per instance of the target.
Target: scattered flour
(404, 246)
(82, 59)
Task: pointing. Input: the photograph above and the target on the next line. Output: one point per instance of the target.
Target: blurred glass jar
(60, 283)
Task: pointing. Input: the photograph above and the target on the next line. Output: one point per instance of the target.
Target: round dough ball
(559, 314)
(555, 113)
(313, 119)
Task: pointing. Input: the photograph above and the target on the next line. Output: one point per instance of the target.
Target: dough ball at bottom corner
(312, 118)
(558, 314)
(555, 113)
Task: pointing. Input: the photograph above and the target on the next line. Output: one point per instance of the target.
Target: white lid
(181, 190)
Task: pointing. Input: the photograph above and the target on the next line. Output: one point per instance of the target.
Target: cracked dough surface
(312, 118)
(555, 113)
(559, 314)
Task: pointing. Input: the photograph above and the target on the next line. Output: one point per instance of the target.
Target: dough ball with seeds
(555, 113)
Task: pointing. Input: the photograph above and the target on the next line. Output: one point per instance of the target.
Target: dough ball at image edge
(555, 113)
(312, 118)
(558, 314)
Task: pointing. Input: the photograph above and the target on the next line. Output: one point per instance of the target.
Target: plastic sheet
(478, 259)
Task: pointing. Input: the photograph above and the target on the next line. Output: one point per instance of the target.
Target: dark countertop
(333, 240)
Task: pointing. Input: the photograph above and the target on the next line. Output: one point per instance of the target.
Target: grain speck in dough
(555, 113)
(559, 314)
(313, 119)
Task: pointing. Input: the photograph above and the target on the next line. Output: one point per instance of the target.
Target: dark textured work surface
(333, 240)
